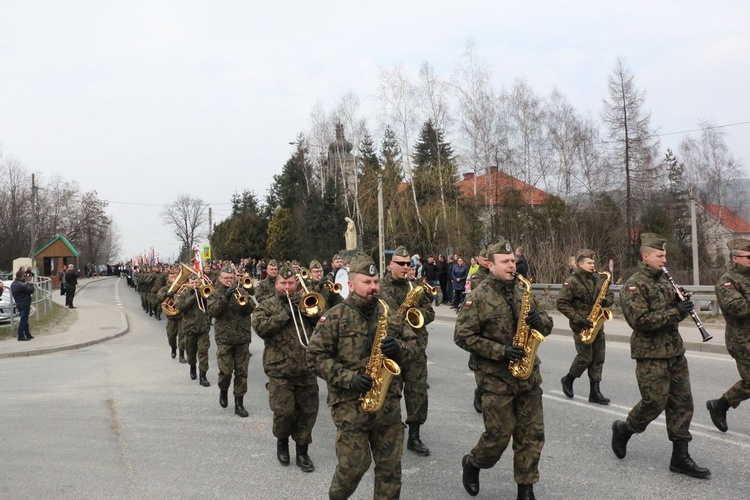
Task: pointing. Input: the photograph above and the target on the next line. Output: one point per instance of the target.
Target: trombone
(299, 323)
(312, 303)
(207, 286)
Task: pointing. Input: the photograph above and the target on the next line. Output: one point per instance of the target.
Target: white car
(5, 303)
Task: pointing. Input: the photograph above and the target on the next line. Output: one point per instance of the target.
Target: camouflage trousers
(362, 437)
(740, 391)
(665, 387)
(414, 381)
(233, 358)
(511, 408)
(589, 357)
(197, 345)
(175, 336)
(294, 403)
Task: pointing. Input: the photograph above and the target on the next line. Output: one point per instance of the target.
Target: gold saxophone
(598, 314)
(407, 309)
(379, 368)
(525, 337)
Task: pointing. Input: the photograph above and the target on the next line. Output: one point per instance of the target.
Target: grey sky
(143, 100)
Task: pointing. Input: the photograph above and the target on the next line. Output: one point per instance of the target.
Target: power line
(703, 128)
(154, 204)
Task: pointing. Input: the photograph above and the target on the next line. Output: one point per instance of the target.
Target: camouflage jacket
(341, 346)
(232, 321)
(284, 354)
(479, 276)
(577, 297)
(488, 321)
(733, 292)
(194, 321)
(160, 279)
(266, 288)
(161, 296)
(394, 293)
(650, 308)
(332, 299)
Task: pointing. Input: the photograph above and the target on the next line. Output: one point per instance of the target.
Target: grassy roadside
(55, 317)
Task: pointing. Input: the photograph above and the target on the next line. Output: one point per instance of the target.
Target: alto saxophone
(379, 368)
(407, 310)
(598, 314)
(525, 337)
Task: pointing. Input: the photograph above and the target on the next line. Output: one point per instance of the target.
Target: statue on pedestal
(350, 235)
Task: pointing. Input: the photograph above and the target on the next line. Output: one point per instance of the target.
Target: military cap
(739, 244)
(314, 264)
(401, 251)
(363, 264)
(227, 268)
(483, 252)
(499, 247)
(286, 271)
(195, 276)
(273, 263)
(336, 257)
(653, 240)
(295, 263)
(585, 253)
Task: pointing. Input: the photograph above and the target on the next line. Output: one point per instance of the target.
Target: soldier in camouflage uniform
(733, 292)
(339, 351)
(159, 281)
(318, 284)
(267, 287)
(292, 387)
(175, 336)
(576, 300)
(195, 327)
(475, 280)
(485, 326)
(233, 333)
(393, 289)
(653, 311)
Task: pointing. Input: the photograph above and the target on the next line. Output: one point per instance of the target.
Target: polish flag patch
(632, 289)
(728, 284)
(322, 319)
(566, 284)
(467, 304)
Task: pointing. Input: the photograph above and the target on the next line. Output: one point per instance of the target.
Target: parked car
(5, 313)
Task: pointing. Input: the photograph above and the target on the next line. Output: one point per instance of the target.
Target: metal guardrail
(41, 299)
(703, 295)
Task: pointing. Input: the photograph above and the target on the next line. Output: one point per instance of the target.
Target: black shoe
(174, 352)
(717, 408)
(595, 396)
(150, 312)
(567, 385)
(29, 337)
(526, 492)
(470, 477)
(182, 356)
(414, 443)
(73, 307)
(681, 462)
(238, 408)
(477, 401)
(303, 459)
(23, 339)
(203, 380)
(620, 436)
(223, 401)
(193, 374)
(282, 451)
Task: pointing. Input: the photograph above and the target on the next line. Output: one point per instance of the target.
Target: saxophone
(525, 337)
(598, 314)
(379, 368)
(407, 309)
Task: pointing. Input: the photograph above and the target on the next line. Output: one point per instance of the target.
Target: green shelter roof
(65, 242)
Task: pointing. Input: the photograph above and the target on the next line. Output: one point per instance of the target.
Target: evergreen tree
(434, 167)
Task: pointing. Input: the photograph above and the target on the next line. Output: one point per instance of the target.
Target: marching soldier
(292, 387)
(195, 327)
(159, 280)
(512, 407)
(650, 307)
(267, 287)
(339, 352)
(578, 296)
(318, 282)
(475, 280)
(175, 336)
(233, 333)
(393, 290)
(733, 292)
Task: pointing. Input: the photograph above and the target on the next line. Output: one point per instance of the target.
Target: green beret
(653, 240)
(273, 263)
(585, 253)
(401, 251)
(227, 268)
(363, 264)
(314, 264)
(286, 271)
(499, 247)
(336, 257)
(483, 252)
(739, 244)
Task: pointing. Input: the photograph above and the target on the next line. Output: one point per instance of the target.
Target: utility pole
(381, 237)
(210, 222)
(33, 218)
(694, 242)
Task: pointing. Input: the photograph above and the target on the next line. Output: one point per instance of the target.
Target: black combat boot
(238, 408)
(567, 385)
(182, 356)
(595, 396)
(620, 436)
(414, 443)
(282, 451)
(526, 492)
(158, 313)
(303, 459)
(683, 464)
(203, 380)
(193, 374)
(477, 400)
(174, 352)
(470, 477)
(223, 401)
(718, 408)
(150, 311)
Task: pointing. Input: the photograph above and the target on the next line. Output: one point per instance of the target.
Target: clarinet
(682, 296)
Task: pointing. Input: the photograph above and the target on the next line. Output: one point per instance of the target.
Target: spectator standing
(442, 265)
(431, 273)
(458, 279)
(474, 267)
(21, 292)
(522, 264)
(71, 282)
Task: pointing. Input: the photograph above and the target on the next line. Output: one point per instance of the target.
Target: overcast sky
(143, 100)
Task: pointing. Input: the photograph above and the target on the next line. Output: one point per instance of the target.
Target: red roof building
(493, 188)
(727, 218)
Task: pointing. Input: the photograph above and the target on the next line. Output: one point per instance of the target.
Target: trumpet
(312, 303)
(428, 289)
(332, 287)
(248, 283)
(241, 299)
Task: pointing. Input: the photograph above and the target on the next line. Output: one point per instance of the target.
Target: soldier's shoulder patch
(322, 319)
(467, 304)
(728, 284)
(566, 284)
(632, 288)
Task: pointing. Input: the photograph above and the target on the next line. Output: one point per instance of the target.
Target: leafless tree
(186, 217)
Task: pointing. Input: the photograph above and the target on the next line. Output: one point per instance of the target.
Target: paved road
(121, 419)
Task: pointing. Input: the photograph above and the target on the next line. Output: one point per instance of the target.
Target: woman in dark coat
(22, 292)
(458, 279)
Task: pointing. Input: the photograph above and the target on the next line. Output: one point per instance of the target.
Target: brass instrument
(683, 296)
(238, 295)
(428, 289)
(169, 306)
(598, 314)
(525, 337)
(206, 285)
(379, 368)
(407, 311)
(332, 287)
(248, 283)
(299, 324)
(312, 303)
(304, 273)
